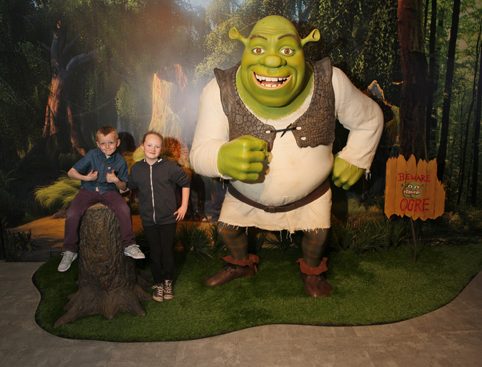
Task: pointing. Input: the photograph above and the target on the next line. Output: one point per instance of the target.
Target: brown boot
(316, 285)
(314, 281)
(234, 269)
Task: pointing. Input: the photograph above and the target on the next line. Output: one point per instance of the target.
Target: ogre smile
(269, 82)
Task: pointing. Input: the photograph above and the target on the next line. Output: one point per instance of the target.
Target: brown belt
(312, 196)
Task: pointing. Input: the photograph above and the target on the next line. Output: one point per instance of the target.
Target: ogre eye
(257, 51)
(286, 51)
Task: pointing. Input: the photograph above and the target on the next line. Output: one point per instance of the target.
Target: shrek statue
(268, 125)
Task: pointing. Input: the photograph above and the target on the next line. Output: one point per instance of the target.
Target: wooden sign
(412, 189)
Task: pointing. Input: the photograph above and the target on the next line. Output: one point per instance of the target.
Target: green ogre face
(273, 63)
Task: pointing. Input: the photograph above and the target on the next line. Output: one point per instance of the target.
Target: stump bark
(107, 278)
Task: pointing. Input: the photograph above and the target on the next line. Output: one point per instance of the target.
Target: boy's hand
(111, 177)
(91, 176)
(244, 158)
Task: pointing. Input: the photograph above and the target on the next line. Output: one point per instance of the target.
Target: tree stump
(107, 278)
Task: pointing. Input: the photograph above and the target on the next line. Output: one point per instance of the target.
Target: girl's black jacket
(156, 187)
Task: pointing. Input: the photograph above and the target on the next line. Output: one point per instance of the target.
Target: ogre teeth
(270, 79)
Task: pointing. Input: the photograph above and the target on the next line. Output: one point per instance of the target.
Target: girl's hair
(151, 132)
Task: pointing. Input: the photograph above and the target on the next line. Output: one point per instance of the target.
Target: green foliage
(362, 235)
(217, 244)
(130, 100)
(194, 240)
(361, 37)
(57, 195)
(472, 217)
(10, 210)
(462, 111)
(23, 75)
(463, 222)
(6, 178)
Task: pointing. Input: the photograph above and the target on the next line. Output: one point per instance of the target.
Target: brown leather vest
(315, 127)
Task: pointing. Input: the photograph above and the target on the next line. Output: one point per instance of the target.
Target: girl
(156, 180)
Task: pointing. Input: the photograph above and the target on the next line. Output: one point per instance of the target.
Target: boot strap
(251, 260)
(311, 270)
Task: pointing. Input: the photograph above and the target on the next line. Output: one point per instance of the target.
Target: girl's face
(152, 147)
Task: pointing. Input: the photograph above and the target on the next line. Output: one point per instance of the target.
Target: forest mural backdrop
(70, 66)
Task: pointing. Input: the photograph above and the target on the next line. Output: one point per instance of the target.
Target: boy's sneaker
(134, 251)
(168, 294)
(67, 258)
(158, 293)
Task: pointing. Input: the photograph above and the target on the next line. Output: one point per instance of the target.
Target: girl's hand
(180, 213)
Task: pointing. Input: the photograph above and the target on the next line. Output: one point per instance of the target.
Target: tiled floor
(450, 336)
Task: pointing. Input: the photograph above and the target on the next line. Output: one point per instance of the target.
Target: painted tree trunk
(107, 278)
(60, 129)
(449, 75)
(414, 70)
(465, 136)
(170, 111)
(478, 112)
(432, 85)
(52, 108)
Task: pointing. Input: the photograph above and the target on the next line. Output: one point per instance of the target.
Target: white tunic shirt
(293, 171)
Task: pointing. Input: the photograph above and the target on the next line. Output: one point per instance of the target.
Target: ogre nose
(274, 61)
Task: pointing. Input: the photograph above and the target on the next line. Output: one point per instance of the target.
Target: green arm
(345, 175)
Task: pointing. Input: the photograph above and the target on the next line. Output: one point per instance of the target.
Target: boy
(103, 172)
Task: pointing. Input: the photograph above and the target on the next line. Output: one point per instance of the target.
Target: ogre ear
(314, 36)
(235, 35)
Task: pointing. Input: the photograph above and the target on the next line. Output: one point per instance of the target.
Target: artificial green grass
(370, 288)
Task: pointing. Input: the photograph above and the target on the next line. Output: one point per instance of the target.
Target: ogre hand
(345, 174)
(244, 158)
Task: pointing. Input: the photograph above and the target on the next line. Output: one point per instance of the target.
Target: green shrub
(473, 217)
(57, 195)
(194, 240)
(217, 244)
(364, 233)
(10, 208)
(464, 221)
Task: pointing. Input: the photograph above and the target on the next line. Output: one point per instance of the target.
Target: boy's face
(152, 147)
(108, 143)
